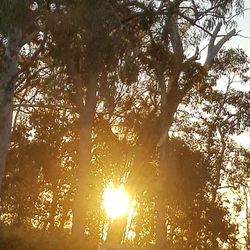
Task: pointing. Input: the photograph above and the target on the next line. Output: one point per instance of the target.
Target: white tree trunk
(8, 76)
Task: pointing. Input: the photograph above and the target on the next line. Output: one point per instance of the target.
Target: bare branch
(29, 37)
(193, 57)
(214, 49)
(44, 106)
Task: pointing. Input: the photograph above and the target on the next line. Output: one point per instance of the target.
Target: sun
(116, 202)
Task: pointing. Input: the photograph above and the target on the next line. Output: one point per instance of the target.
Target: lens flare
(116, 202)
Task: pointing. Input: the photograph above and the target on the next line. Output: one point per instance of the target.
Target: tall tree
(20, 23)
(92, 51)
(167, 55)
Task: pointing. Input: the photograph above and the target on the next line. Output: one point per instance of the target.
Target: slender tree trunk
(7, 87)
(246, 194)
(170, 99)
(116, 230)
(160, 200)
(85, 146)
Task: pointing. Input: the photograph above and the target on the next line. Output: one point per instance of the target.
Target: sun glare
(116, 202)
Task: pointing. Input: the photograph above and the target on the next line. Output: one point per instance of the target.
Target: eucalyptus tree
(228, 111)
(86, 43)
(222, 113)
(89, 43)
(20, 24)
(172, 31)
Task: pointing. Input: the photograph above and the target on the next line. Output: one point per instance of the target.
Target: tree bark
(170, 100)
(84, 148)
(7, 88)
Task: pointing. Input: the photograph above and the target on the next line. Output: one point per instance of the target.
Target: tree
(89, 56)
(176, 73)
(21, 23)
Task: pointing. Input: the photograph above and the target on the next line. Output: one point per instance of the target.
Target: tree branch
(214, 49)
(31, 60)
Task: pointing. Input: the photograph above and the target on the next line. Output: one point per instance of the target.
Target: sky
(244, 27)
(243, 41)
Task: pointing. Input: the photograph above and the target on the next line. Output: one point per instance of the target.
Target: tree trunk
(8, 78)
(170, 99)
(85, 145)
(116, 230)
